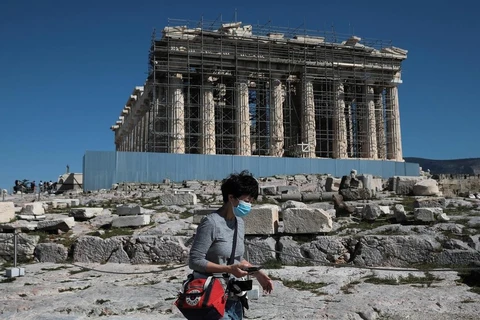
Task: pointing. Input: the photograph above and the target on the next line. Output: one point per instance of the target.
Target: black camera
(237, 286)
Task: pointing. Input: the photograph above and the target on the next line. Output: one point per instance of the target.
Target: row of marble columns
(378, 136)
(374, 143)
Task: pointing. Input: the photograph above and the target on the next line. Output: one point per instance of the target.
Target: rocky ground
(122, 291)
(395, 230)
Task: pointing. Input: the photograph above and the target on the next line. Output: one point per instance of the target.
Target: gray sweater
(213, 242)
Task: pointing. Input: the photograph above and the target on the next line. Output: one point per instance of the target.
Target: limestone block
(62, 205)
(157, 249)
(300, 178)
(332, 184)
(431, 202)
(96, 250)
(426, 187)
(7, 211)
(260, 250)
(385, 210)
(25, 246)
(185, 190)
(293, 204)
(275, 182)
(35, 208)
(404, 184)
(311, 197)
(371, 212)
(322, 205)
(85, 213)
(178, 199)
(290, 251)
(399, 213)
(152, 194)
(443, 217)
(50, 252)
(371, 183)
(131, 221)
(328, 196)
(291, 196)
(306, 220)
(398, 250)
(74, 202)
(198, 214)
(325, 248)
(288, 189)
(30, 217)
(129, 210)
(355, 194)
(350, 182)
(427, 214)
(308, 187)
(474, 242)
(262, 220)
(64, 224)
(268, 190)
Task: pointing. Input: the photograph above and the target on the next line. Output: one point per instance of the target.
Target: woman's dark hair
(238, 184)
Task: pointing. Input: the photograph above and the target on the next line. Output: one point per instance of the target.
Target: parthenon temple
(230, 88)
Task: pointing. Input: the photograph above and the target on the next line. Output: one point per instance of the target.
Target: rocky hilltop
(469, 166)
(356, 247)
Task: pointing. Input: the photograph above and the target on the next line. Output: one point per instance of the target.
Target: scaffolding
(229, 88)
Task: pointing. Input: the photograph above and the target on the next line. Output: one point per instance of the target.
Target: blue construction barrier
(101, 169)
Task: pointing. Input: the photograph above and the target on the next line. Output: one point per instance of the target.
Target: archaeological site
(343, 225)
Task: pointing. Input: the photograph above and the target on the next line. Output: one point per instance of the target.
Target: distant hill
(456, 166)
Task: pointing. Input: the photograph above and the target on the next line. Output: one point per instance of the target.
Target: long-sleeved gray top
(213, 242)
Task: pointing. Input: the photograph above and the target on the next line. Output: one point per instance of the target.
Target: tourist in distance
(213, 241)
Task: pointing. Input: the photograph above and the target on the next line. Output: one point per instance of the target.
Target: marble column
(380, 120)
(207, 122)
(308, 121)
(339, 124)
(393, 119)
(176, 117)
(350, 139)
(243, 145)
(137, 135)
(276, 119)
(371, 151)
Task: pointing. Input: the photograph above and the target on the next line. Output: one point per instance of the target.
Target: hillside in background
(456, 166)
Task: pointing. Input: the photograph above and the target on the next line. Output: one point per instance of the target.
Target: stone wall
(458, 185)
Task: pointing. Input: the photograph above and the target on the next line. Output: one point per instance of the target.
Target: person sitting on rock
(213, 242)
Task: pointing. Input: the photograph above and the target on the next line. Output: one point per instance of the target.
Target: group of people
(214, 239)
(31, 187)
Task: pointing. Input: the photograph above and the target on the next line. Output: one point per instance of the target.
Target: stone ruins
(303, 220)
(234, 89)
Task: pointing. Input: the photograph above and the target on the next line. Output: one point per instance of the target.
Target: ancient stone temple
(229, 88)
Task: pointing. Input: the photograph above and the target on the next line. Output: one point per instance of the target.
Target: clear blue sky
(68, 67)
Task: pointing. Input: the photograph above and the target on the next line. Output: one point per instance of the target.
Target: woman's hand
(264, 281)
(237, 269)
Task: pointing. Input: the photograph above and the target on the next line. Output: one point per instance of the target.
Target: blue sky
(68, 67)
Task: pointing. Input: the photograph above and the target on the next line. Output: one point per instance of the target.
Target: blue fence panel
(160, 167)
(98, 170)
(344, 166)
(399, 168)
(412, 169)
(103, 168)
